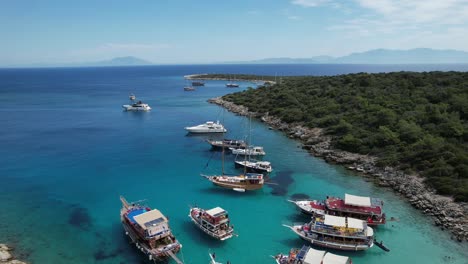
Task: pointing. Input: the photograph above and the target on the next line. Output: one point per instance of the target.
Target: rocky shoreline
(6, 257)
(446, 214)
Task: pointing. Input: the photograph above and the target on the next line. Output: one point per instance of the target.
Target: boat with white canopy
(342, 233)
(308, 255)
(360, 207)
(215, 222)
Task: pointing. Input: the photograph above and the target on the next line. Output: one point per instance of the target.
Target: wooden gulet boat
(214, 222)
(308, 255)
(239, 183)
(341, 233)
(149, 230)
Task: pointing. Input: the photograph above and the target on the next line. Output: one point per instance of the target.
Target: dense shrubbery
(418, 121)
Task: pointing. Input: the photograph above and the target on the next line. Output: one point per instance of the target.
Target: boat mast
(222, 154)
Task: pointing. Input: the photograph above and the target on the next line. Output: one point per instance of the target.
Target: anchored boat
(239, 183)
(308, 255)
(139, 106)
(254, 165)
(149, 230)
(215, 222)
(342, 233)
(227, 143)
(360, 207)
(250, 151)
(208, 127)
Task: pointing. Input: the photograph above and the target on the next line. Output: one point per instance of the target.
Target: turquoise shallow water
(68, 152)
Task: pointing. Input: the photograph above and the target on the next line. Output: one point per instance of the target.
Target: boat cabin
(215, 216)
(153, 223)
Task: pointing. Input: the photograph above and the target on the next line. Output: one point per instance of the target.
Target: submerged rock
(300, 196)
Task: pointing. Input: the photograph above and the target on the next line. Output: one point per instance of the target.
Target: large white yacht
(208, 127)
(139, 106)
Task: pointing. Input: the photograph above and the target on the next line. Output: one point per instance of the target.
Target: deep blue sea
(68, 151)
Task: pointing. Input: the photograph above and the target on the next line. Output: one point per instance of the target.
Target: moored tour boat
(360, 207)
(139, 106)
(208, 127)
(239, 183)
(312, 207)
(308, 255)
(215, 222)
(226, 143)
(254, 166)
(250, 151)
(342, 233)
(149, 230)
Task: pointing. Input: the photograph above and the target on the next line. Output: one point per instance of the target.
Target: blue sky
(173, 31)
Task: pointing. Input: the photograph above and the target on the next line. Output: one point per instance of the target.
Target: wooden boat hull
(144, 248)
(234, 186)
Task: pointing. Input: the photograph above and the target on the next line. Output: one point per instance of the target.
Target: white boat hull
(204, 130)
(327, 244)
(132, 108)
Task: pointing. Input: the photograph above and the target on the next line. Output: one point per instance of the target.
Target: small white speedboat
(139, 106)
(251, 151)
(208, 127)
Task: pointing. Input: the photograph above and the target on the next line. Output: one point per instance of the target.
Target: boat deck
(336, 204)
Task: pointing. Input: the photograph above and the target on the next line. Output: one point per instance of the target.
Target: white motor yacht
(139, 106)
(251, 151)
(208, 127)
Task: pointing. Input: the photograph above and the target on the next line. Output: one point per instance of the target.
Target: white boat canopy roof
(215, 212)
(335, 220)
(357, 200)
(339, 221)
(356, 223)
(150, 218)
(314, 256)
(334, 259)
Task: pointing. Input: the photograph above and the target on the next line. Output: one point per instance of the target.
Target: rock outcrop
(6, 257)
(447, 214)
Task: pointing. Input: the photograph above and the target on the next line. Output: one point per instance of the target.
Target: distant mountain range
(378, 56)
(121, 61)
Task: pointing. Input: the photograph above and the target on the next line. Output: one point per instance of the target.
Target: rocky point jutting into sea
(447, 214)
(6, 257)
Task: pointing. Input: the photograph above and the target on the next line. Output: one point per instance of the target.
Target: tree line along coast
(407, 129)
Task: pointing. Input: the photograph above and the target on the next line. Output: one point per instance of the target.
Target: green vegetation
(415, 121)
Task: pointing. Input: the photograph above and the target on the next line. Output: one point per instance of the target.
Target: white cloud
(416, 11)
(309, 3)
(408, 24)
